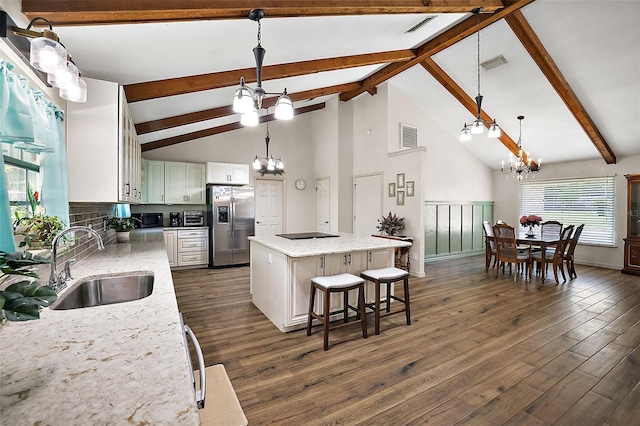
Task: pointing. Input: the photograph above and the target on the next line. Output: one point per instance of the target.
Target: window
(20, 168)
(574, 201)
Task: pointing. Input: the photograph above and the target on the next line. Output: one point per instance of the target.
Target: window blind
(572, 202)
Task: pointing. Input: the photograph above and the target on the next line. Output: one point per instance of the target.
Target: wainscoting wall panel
(455, 228)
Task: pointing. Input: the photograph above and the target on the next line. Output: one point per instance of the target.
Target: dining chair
(550, 227)
(554, 257)
(507, 249)
(490, 245)
(568, 256)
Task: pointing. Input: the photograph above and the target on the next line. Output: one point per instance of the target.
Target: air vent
(419, 24)
(496, 62)
(408, 136)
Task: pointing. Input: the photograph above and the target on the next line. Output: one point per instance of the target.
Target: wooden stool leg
(377, 307)
(345, 301)
(406, 300)
(326, 318)
(312, 298)
(361, 311)
(389, 296)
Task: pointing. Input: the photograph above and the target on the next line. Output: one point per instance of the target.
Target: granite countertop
(345, 243)
(182, 228)
(115, 364)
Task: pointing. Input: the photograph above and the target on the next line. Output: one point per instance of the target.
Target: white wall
(508, 196)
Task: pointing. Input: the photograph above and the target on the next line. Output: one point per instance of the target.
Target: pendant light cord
(478, 14)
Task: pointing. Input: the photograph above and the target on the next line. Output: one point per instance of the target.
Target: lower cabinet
(187, 247)
(302, 269)
(171, 244)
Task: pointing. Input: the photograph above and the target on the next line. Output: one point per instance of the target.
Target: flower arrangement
(391, 224)
(530, 220)
(122, 224)
(36, 227)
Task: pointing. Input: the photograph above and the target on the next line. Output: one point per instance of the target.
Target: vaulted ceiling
(573, 67)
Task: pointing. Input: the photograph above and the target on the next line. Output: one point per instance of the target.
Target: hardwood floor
(480, 351)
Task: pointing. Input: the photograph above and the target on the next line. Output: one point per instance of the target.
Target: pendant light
(249, 101)
(520, 167)
(478, 125)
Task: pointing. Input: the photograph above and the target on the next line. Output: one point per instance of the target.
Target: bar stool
(388, 276)
(341, 283)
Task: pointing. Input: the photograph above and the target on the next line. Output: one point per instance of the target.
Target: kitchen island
(281, 271)
(115, 364)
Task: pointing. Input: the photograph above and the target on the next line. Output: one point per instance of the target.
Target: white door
(322, 205)
(367, 204)
(269, 201)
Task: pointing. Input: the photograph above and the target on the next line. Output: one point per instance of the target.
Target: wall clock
(301, 184)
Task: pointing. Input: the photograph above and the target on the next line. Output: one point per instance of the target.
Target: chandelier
(477, 127)
(248, 101)
(268, 165)
(521, 167)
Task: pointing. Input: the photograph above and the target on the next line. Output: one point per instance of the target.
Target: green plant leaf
(43, 296)
(21, 309)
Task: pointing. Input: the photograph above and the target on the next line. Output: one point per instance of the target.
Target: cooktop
(306, 235)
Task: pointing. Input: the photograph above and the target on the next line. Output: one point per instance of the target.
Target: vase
(123, 237)
(530, 233)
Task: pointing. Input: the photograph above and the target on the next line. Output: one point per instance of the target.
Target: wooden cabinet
(193, 247)
(103, 152)
(153, 188)
(171, 245)
(302, 269)
(632, 242)
(184, 183)
(187, 247)
(227, 173)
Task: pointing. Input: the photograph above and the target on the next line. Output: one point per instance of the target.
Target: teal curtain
(32, 123)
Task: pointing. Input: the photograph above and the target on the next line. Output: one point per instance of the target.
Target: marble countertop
(182, 228)
(345, 243)
(116, 364)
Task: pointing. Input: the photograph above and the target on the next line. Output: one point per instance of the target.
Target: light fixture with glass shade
(249, 101)
(478, 125)
(46, 54)
(521, 167)
(268, 164)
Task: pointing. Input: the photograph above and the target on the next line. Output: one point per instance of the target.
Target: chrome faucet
(58, 282)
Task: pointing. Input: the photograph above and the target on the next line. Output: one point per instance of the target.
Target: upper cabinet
(184, 183)
(103, 152)
(154, 181)
(228, 173)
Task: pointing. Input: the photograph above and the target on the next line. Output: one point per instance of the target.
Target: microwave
(149, 220)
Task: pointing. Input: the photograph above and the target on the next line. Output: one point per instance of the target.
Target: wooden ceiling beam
(470, 104)
(448, 38)
(545, 62)
(101, 12)
(213, 113)
(182, 85)
(161, 143)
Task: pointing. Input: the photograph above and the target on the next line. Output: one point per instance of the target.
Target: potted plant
(22, 300)
(391, 224)
(36, 228)
(122, 226)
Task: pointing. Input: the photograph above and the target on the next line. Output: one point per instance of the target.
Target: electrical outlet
(414, 256)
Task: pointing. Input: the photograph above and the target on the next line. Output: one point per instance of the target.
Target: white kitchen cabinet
(171, 245)
(154, 180)
(227, 173)
(193, 247)
(103, 153)
(184, 183)
(187, 247)
(302, 269)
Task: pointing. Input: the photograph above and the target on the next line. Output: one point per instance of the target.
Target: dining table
(541, 241)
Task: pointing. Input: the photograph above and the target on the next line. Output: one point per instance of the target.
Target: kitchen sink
(106, 290)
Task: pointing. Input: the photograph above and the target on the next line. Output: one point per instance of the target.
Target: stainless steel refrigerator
(230, 215)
